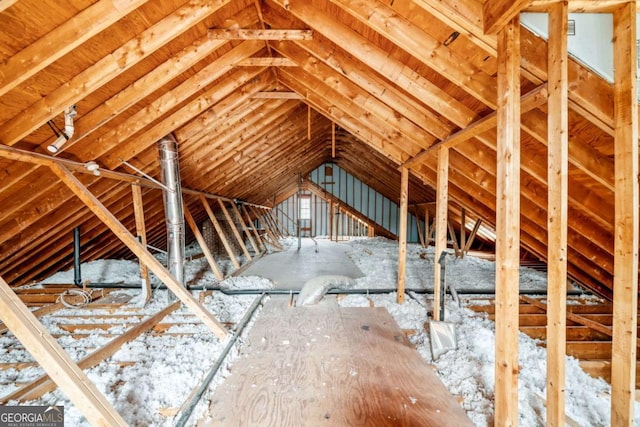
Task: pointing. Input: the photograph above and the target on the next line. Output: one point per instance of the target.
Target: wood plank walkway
(326, 365)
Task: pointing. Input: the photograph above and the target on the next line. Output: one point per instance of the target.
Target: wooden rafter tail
(55, 361)
(203, 244)
(140, 251)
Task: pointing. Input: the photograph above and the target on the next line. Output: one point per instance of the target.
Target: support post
(141, 231)
(463, 231)
(218, 228)
(234, 229)
(507, 225)
(625, 264)
(402, 233)
(442, 182)
(203, 244)
(77, 272)
(331, 215)
(557, 183)
(55, 361)
(136, 247)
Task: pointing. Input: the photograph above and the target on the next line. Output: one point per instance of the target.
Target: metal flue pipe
(170, 171)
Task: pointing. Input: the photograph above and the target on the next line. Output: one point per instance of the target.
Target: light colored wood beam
(234, 229)
(423, 46)
(220, 232)
(6, 4)
(440, 226)
(498, 13)
(247, 232)
(36, 388)
(578, 6)
(140, 251)
(252, 228)
(534, 99)
(625, 268)
(557, 217)
(277, 95)
(266, 62)
(261, 34)
(402, 233)
(62, 40)
(141, 231)
(108, 68)
(55, 361)
(507, 225)
(203, 244)
(333, 140)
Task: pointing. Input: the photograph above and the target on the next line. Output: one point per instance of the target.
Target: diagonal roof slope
(395, 77)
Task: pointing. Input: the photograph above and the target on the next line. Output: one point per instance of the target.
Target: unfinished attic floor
(326, 365)
(292, 268)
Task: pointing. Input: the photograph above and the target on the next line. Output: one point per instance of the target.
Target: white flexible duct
(170, 171)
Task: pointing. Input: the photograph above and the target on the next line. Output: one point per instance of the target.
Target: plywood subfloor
(325, 365)
(292, 268)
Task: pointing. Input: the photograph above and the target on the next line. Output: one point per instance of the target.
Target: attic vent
(571, 31)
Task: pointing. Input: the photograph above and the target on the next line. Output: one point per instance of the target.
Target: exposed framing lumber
(5, 4)
(252, 228)
(472, 236)
(267, 226)
(108, 68)
(454, 239)
(55, 361)
(440, 226)
(141, 231)
(277, 95)
(533, 99)
(236, 211)
(234, 229)
(333, 139)
(507, 225)
(261, 34)
(266, 62)
(625, 269)
(36, 388)
(220, 231)
(62, 40)
(140, 251)
(203, 244)
(557, 217)
(402, 233)
(578, 6)
(497, 13)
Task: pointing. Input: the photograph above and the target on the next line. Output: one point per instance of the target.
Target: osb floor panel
(292, 268)
(326, 365)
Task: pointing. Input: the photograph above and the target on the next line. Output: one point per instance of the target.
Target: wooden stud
(309, 121)
(234, 229)
(260, 34)
(507, 225)
(454, 239)
(55, 361)
(472, 235)
(141, 231)
(140, 251)
(402, 233)
(253, 228)
(440, 225)
(421, 235)
(220, 231)
(245, 229)
(557, 183)
(267, 227)
(333, 139)
(203, 244)
(625, 269)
